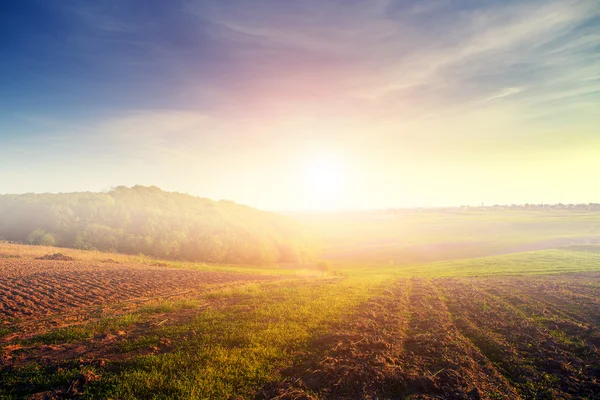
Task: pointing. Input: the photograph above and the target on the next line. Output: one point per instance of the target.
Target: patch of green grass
(563, 337)
(231, 351)
(168, 306)
(64, 335)
(82, 332)
(148, 340)
(543, 262)
(405, 237)
(18, 383)
(235, 345)
(7, 330)
(550, 323)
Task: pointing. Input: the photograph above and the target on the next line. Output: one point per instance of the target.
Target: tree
(42, 238)
(150, 221)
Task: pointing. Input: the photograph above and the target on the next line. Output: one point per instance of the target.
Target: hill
(153, 222)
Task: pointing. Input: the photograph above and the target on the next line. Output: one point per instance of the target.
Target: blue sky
(401, 103)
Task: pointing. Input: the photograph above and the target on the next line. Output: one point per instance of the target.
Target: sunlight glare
(324, 181)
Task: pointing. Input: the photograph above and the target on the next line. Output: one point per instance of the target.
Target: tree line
(150, 221)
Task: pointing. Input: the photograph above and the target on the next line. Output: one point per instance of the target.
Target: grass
(220, 352)
(19, 251)
(410, 237)
(543, 262)
(40, 377)
(7, 330)
(230, 342)
(80, 332)
(236, 349)
(11, 250)
(168, 306)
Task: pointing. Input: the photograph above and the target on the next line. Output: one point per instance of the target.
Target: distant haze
(304, 105)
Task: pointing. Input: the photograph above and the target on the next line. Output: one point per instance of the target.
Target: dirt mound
(110, 261)
(56, 257)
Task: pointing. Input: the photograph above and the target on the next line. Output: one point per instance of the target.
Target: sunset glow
(398, 104)
(325, 182)
(300, 199)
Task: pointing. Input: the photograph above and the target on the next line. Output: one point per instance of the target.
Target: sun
(324, 181)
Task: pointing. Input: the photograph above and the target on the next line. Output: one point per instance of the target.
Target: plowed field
(30, 289)
(331, 337)
(532, 337)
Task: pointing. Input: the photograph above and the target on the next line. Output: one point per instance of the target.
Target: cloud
(409, 59)
(505, 93)
(271, 59)
(502, 43)
(188, 79)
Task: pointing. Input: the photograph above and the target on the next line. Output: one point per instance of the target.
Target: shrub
(324, 266)
(41, 237)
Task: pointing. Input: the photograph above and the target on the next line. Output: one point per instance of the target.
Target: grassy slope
(407, 238)
(543, 262)
(8, 250)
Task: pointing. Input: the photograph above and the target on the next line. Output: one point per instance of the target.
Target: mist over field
(299, 200)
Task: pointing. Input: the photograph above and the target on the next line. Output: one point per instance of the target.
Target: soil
(401, 345)
(30, 290)
(532, 337)
(469, 338)
(56, 257)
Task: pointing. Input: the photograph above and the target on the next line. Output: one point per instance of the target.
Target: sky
(304, 105)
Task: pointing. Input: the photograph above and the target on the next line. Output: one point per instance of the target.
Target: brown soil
(56, 257)
(402, 345)
(32, 289)
(471, 338)
(108, 348)
(540, 364)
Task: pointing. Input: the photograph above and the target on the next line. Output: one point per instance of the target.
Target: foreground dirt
(469, 338)
(113, 347)
(35, 291)
(472, 338)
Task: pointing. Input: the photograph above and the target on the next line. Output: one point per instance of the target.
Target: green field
(411, 236)
(365, 328)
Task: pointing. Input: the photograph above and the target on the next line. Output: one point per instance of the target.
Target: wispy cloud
(389, 56)
(271, 58)
(407, 80)
(505, 93)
